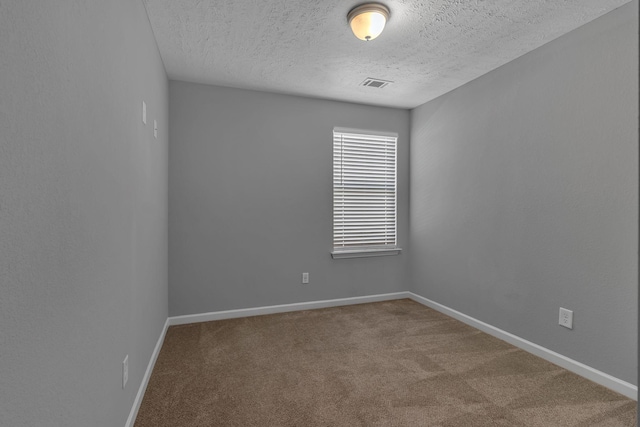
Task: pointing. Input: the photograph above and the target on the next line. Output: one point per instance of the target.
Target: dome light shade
(368, 20)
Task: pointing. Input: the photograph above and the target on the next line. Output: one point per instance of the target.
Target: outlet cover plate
(566, 318)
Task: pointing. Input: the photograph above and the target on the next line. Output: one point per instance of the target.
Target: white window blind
(364, 191)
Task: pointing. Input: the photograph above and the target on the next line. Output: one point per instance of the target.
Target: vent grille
(377, 83)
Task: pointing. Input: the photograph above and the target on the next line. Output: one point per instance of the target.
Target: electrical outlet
(125, 371)
(305, 278)
(566, 318)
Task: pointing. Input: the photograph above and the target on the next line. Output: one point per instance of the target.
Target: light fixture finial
(368, 20)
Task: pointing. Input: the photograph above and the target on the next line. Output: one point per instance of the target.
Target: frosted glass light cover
(368, 21)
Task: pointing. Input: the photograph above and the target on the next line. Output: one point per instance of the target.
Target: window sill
(363, 253)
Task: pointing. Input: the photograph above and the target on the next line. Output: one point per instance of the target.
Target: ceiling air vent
(377, 83)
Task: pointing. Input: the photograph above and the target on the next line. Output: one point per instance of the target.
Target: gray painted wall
(524, 195)
(83, 209)
(250, 200)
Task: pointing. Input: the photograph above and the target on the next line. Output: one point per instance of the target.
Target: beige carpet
(393, 363)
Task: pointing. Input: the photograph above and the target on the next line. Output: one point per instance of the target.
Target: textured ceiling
(306, 47)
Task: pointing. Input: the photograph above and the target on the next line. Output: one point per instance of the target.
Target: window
(364, 194)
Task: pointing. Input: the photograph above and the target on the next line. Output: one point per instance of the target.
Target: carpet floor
(393, 363)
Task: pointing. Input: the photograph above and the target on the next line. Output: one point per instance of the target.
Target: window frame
(364, 250)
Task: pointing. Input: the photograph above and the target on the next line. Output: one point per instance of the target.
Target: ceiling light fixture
(367, 20)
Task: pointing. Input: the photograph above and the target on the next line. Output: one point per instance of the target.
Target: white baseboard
(257, 311)
(147, 375)
(606, 380)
